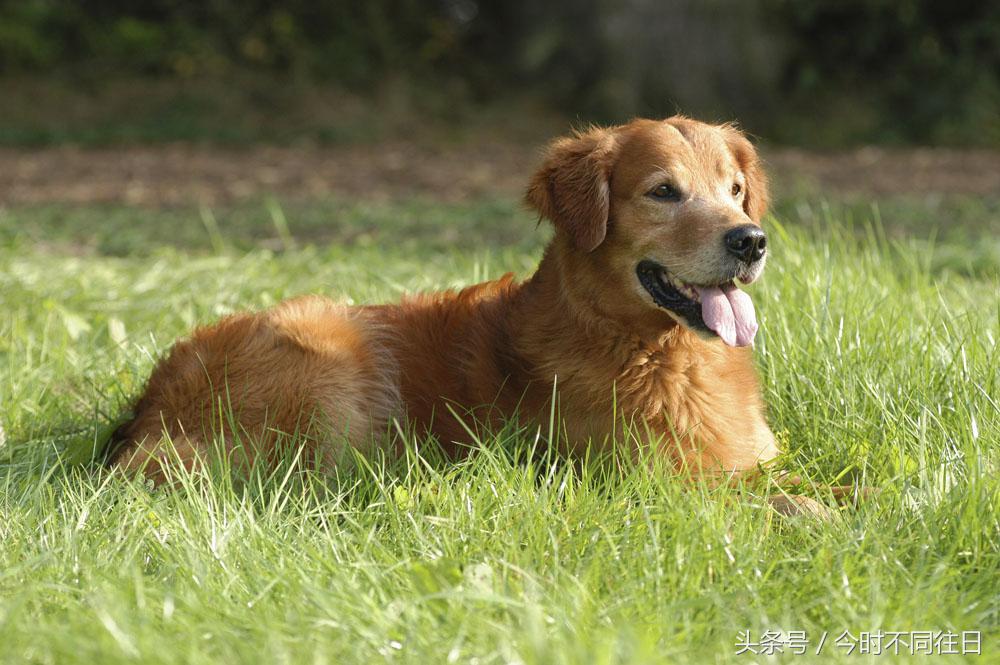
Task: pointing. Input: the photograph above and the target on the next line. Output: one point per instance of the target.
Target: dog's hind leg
(308, 370)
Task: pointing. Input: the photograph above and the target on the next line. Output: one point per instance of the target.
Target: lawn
(879, 362)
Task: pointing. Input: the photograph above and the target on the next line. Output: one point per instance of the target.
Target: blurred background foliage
(812, 72)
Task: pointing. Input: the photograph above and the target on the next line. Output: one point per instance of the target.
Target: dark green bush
(920, 70)
(820, 71)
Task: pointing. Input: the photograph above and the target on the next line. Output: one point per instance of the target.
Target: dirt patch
(879, 172)
(183, 174)
(178, 174)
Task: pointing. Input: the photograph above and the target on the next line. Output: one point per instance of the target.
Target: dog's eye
(737, 189)
(665, 192)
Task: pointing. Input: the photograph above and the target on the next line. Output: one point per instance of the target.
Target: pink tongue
(729, 312)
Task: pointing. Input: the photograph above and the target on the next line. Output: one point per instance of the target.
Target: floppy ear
(757, 196)
(572, 187)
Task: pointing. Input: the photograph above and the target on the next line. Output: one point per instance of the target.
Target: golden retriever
(634, 315)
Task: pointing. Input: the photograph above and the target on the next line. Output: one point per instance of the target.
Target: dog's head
(660, 215)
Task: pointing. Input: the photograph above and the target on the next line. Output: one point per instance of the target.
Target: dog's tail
(116, 441)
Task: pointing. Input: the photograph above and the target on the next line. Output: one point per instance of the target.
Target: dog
(634, 315)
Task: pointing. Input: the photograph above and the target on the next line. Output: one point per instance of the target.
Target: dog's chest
(706, 403)
(680, 388)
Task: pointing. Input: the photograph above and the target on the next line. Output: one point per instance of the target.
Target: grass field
(878, 355)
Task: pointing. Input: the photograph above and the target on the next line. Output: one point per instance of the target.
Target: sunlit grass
(879, 364)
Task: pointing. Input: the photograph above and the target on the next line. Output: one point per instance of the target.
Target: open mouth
(722, 309)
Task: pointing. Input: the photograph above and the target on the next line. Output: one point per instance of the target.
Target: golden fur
(340, 375)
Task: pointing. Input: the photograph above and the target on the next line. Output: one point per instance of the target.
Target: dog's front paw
(796, 505)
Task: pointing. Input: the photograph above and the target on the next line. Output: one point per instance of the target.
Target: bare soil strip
(178, 174)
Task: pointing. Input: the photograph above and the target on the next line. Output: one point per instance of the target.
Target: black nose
(746, 242)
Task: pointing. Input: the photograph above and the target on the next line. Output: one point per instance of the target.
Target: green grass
(879, 362)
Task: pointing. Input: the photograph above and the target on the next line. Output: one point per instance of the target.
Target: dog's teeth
(683, 287)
